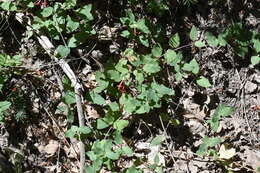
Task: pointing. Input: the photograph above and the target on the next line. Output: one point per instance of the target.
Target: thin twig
(167, 144)
(58, 159)
(49, 47)
(59, 82)
(60, 129)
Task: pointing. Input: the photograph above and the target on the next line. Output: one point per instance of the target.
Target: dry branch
(49, 47)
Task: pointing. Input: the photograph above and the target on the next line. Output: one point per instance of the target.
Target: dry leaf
(73, 150)
(226, 153)
(91, 111)
(199, 116)
(52, 147)
(195, 112)
(252, 158)
(196, 127)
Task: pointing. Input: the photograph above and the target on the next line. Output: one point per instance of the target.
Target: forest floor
(36, 142)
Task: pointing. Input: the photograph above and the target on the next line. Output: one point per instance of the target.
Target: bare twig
(49, 47)
(167, 144)
(59, 82)
(60, 129)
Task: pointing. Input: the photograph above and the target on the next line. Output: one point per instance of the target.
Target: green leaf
(204, 82)
(157, 50)
(79, 38)
(86, 12)
(70, 4)
(129, 19)
(255, 60)
(69, 97)
(97, 164)
(207, 142)
(158, 169)
(84, 130)
(128, 151)
(258, 169)
(8, 61)
(112, 155)
(16, 60)
(192, 66)
(101, 82)
(120, 124)
(114, 106)
(174, 41)
(129, 103)
(73, 42)
(139, 76)
(178, 76)
(101, 124)
(172, 58)
(221, 111)
(144, 108)
(4, 105)
(71, 132)
(193, 33)
(221, 40)
(133, 170)
(156, 159)
(63, 51)
(109, 164)
(161, 89)
(90, 169)
(152, 95)
(140, 24)
(46, 12)
(96, 98)
(202, 149)
(71, 24)
(211, 142)
(110, 117)
(30, 5)
(144, 40)
(256, 45)
(199, 44)
(118, 137)
(151, 65)
(114, 75)
(211, 39)
(157, 140)
(101, 86)
(170, 55)
(241, 50)
(151, 68)
(9, 6)
(121, 66)
(125, 34)
(70, 116)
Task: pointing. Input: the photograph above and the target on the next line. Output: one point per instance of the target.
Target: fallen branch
(49, 48)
